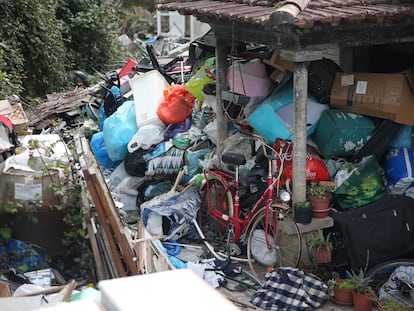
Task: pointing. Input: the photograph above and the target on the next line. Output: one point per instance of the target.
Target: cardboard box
(24, 180)
(14, 111)
(382, 95)
(23, 186)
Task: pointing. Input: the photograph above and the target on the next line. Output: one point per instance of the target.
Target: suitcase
(377, 232)
(321, 76)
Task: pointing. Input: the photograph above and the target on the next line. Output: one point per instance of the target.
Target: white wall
(177, 25)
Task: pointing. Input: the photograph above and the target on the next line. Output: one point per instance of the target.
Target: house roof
(308, 22)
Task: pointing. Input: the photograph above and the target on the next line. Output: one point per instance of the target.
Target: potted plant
(303, 212)
(321, 246)
(342, 291)
(389, 304)
(363, 294)
(320, 198)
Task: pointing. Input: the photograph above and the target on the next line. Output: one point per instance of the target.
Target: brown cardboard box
(28, 181)
(14, 111)
(382, 95)
(18, 185)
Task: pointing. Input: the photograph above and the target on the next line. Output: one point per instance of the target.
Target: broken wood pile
(60, 103)
(114, 255)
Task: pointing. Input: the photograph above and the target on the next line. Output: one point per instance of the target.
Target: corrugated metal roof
(298, 13)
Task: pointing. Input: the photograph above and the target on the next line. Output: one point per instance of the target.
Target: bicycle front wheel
(284, 245)
(380, 273)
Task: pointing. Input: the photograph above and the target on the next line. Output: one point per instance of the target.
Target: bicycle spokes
(283, 248)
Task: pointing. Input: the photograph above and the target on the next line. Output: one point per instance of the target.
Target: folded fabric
(290, 289)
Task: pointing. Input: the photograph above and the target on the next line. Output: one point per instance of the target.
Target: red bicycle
(271, 236)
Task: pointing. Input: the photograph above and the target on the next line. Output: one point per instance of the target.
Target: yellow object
(200, 78)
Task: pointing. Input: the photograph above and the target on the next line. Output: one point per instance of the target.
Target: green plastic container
(200, 78)
(341, 134)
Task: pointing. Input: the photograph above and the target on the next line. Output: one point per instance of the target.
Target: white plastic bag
(146, 136)
(211, 131)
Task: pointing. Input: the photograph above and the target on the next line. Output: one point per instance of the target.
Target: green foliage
(35, 47)
(361, 281)
(5, 233)
(318, 191)
(12, 207)
(319, 240)
(303, 204)
(136, 20)
(11, 59)
(345, 284)
(91, 33)
(392, 305)
(41, 40)
(67, 189)
(8, 85)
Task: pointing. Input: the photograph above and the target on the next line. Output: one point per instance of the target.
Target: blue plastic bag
(102, 117)
(403, 139)
(118, 130)
(399, 170)
(23, 257)
(100, 151)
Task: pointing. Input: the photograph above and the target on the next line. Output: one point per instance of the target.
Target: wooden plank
(100, 271)
(105, 225)
(84, 160)
(107, 256)
(109, 209)
(105, 263)
(115, 223)
(139, 249)
(152, 258)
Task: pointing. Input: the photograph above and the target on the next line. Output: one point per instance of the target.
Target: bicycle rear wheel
(284, 247)
(383, 276)
(214, 197)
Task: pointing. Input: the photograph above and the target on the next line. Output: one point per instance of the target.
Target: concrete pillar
(221, 84)
(300, 90)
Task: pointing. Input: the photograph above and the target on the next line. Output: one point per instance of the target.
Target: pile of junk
(145, 134)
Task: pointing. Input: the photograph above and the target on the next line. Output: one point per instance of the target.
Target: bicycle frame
(232, 185)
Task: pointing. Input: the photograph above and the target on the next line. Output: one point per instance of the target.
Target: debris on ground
(107, 178)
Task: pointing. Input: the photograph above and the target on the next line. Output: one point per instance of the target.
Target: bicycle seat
(233, 158)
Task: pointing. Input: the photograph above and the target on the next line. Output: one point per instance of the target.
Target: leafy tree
(41, 40)
(7, 85)
(11, 59)
(91, 34)
(42, 44)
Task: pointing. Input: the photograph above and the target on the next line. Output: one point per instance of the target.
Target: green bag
(364, 185)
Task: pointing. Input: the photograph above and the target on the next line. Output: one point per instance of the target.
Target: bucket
(148, 92)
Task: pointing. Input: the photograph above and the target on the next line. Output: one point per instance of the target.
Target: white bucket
(148, 92)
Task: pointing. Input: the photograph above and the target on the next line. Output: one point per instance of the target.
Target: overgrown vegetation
(41, 40)
(90, 33)
(76, 255)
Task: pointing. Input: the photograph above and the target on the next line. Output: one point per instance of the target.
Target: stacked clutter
(162, 130)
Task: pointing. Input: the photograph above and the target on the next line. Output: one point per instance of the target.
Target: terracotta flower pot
(321, 207)
(321, 213)
(362, 302)
(323, 255)
(342, 296)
